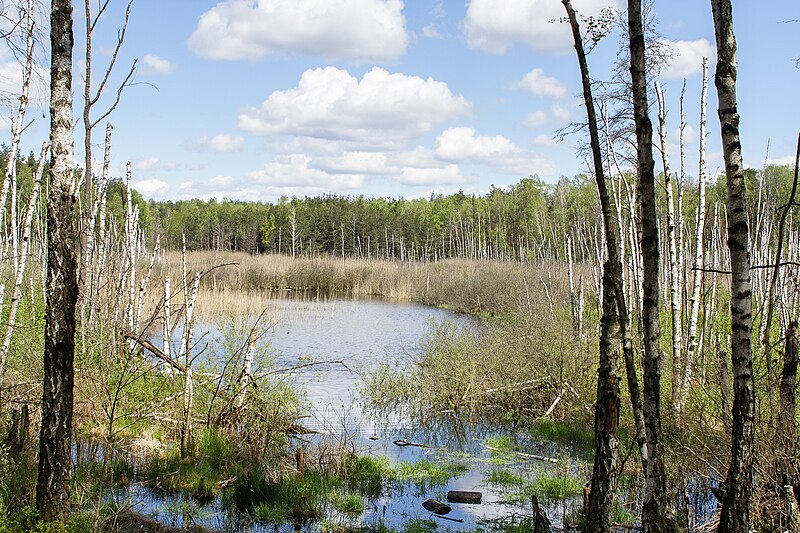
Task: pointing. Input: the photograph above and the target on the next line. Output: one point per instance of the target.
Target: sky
(259, 99)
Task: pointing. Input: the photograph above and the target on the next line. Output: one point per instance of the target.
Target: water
(350, 337)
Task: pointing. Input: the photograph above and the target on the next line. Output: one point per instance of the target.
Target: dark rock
(436, 507)
(464, 496)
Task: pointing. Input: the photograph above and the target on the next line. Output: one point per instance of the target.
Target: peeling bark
(735, 513)
(52, 488)
(657, 515)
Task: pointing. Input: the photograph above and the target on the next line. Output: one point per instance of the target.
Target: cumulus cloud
(154, 65)
(295, 170)
(417, 177)
(354, 162)
(537, 83)
(537, 119)
(382, 107)
(220, 144)
(686, 60)
(152, 188)
(498, 152)
(458, 144)
(360, 30)
(495, 26)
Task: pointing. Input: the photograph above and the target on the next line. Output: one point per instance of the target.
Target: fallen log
(404, 442)
(436, 507)
(464, 496)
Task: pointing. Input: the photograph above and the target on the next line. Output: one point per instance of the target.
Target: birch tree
(694, 313)
(615, 314)
(738, 489)
(657, 514)
(55, 437)
(675, 285)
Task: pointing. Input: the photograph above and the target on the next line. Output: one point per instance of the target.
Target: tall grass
(489, 288)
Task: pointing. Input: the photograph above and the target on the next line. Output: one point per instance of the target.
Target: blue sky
(256, 99)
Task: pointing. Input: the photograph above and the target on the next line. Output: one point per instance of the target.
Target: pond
(354, 336)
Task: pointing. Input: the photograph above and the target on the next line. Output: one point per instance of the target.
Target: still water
(351, 337)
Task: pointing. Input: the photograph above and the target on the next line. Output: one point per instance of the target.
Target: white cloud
(220, 144)
(154, 65)
(431, 32)
(381, 108)
(148, 163)
(561, 112)
(537, 83)
(152, 164)
(361, 30)
(537, 119)
(545, 140)
(495, 26)
(295, 170)
(152, 188)
(690, 135)
(687, 58)
(497, 152)
(354, 162)
(458, 144)
(448, 175)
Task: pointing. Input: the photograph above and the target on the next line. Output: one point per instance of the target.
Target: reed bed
(478, 287)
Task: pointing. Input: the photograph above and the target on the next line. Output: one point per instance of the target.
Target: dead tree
(694, 312)
(675, 285)
(55, 437)
(657, 514)
(23, 252)
(603, 481)
(738, 489)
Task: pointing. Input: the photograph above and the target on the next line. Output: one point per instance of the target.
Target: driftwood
(526, 455)
(404, 442)
(464, 496)
(436, 507)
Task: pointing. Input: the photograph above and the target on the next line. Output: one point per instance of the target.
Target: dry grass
(490, 288)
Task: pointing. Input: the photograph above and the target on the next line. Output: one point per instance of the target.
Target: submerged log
(464, 496)
(436, 507)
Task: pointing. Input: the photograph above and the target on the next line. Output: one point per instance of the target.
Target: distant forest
(530, 220)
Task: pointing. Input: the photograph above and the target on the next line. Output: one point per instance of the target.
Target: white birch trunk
(167, 312)
(23, 258)
(692, 348)
(675, 289)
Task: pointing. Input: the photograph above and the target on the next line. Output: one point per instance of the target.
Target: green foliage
(26, 521)
(504, 477)
(349, 503)
(557, 487)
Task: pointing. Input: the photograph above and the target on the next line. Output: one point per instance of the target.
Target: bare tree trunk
(247, 372)
(776, 269)
(187, 441)
(657, 515)
(144, 284)
(694, 313)
(167, 311)
(599, 507)
(17, 126)
(55, 437)
(787, 429)
(675, 286)
(23, 252)
(735, 513)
